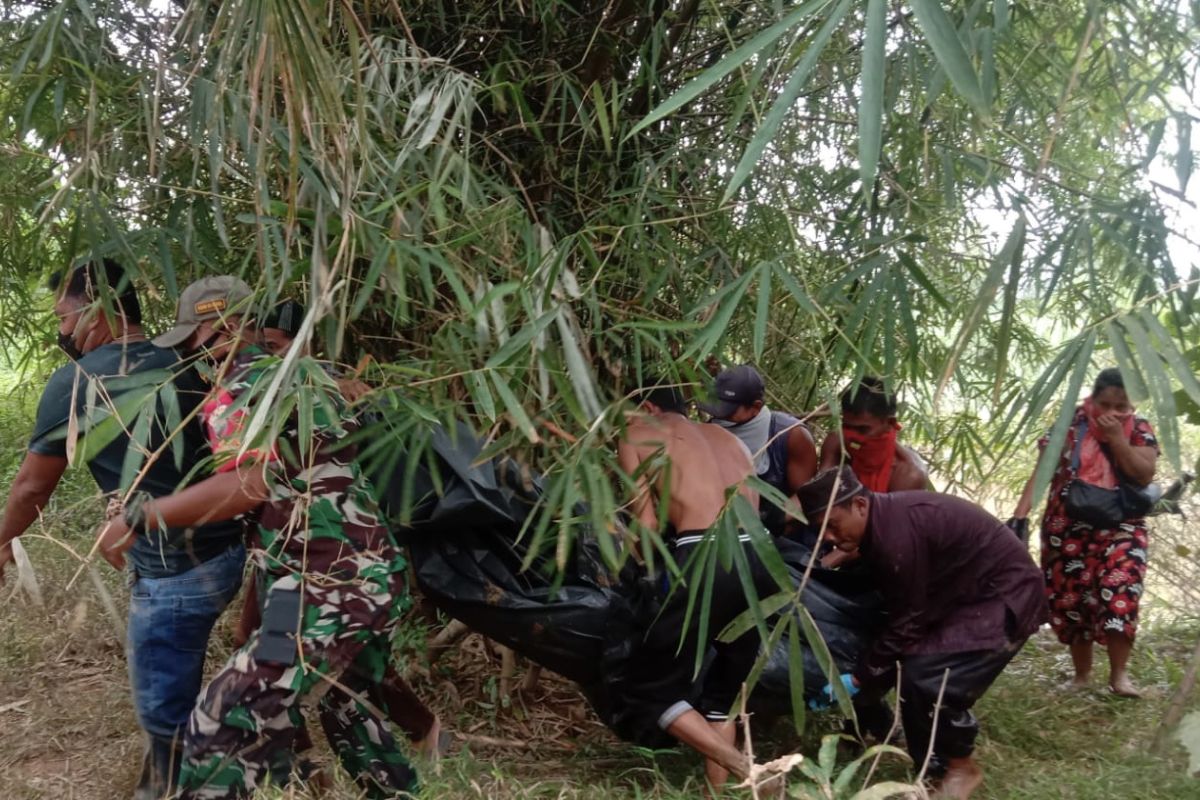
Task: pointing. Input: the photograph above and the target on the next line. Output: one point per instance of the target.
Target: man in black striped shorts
(690, 466)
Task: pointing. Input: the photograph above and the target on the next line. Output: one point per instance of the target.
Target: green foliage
(533, 220)
(828, 781)
(517, 210)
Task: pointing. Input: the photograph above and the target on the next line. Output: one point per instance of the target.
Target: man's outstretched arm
(831, 451)
(802, 457)
(31, 489)
(224, 496)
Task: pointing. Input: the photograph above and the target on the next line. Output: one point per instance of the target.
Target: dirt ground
(67, 730)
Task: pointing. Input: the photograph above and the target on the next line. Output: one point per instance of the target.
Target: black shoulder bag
(1100, 507)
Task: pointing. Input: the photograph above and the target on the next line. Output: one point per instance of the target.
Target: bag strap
(1080, 432)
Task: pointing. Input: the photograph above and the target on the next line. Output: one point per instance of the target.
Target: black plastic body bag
(464, 542)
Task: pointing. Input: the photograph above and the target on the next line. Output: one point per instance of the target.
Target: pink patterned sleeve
(225, 427)
(1143, 435)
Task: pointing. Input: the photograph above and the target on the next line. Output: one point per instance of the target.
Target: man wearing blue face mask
(180, 580)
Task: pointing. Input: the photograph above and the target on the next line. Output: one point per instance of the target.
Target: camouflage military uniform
(319, 532)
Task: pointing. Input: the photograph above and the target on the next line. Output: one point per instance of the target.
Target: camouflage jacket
(321, 516)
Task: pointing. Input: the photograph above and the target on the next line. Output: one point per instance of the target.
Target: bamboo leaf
(760, 541)
(1009, 253)
(514, 408)
(783, 104)
(744, 622)
(521, 340)
(763, 309)
(923, 279)
(884, 790)
(577, 366)
(1135, 387)
(1000, 16)
(1159, 385)
(716, 327)
(741, 566)
(173, 421)
(1081, 351)
(795, 290)
(948, 48)
(870, 107)
(703, 82)
(1166, 347)
(816, 643)
(481, 394)
(139, 446)
(1004, 337)
(601, 108)
(796, 674)
(1184, 156)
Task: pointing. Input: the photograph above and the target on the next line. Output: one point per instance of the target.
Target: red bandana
(872, 457)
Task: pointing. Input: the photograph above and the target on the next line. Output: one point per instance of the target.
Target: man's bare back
(690, 467)
(702, 462)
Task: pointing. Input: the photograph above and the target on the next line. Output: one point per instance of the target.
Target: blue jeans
(170, 620)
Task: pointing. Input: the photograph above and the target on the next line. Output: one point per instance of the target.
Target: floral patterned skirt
(1094, 577)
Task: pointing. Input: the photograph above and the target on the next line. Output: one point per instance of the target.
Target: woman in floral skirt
(1095, 575)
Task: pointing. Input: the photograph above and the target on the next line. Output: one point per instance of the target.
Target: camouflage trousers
(242, 732)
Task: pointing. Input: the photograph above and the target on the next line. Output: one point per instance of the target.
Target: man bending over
(962, 596)
(689, 467)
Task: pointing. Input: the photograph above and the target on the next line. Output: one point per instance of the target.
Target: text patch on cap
(208, 306)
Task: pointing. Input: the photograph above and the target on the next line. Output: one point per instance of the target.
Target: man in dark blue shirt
(180, 580)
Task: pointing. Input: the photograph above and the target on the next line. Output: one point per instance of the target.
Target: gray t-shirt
(119, 374)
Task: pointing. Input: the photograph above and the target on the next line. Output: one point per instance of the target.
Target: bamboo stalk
(1174, 713)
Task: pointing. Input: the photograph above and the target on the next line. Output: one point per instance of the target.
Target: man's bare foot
(962, 778)
(1123, 687)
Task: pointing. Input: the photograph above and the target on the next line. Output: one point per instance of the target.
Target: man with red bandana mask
(867, 441)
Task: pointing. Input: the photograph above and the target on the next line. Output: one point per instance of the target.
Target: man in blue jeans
(180, 580)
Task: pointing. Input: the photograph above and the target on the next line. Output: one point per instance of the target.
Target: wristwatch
(135, 512)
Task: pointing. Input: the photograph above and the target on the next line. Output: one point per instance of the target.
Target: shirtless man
(868, 441)
(690, 466)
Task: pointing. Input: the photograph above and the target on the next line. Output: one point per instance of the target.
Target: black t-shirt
(138, 381)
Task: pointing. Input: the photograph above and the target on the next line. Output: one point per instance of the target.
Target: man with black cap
(332, 575)
(782, 448)
(962, 596)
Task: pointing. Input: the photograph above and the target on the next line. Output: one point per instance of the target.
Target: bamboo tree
(514, 211)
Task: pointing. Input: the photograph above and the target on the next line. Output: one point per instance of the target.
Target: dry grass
(67, 728)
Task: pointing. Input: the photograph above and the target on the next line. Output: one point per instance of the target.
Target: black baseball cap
(735, 387)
